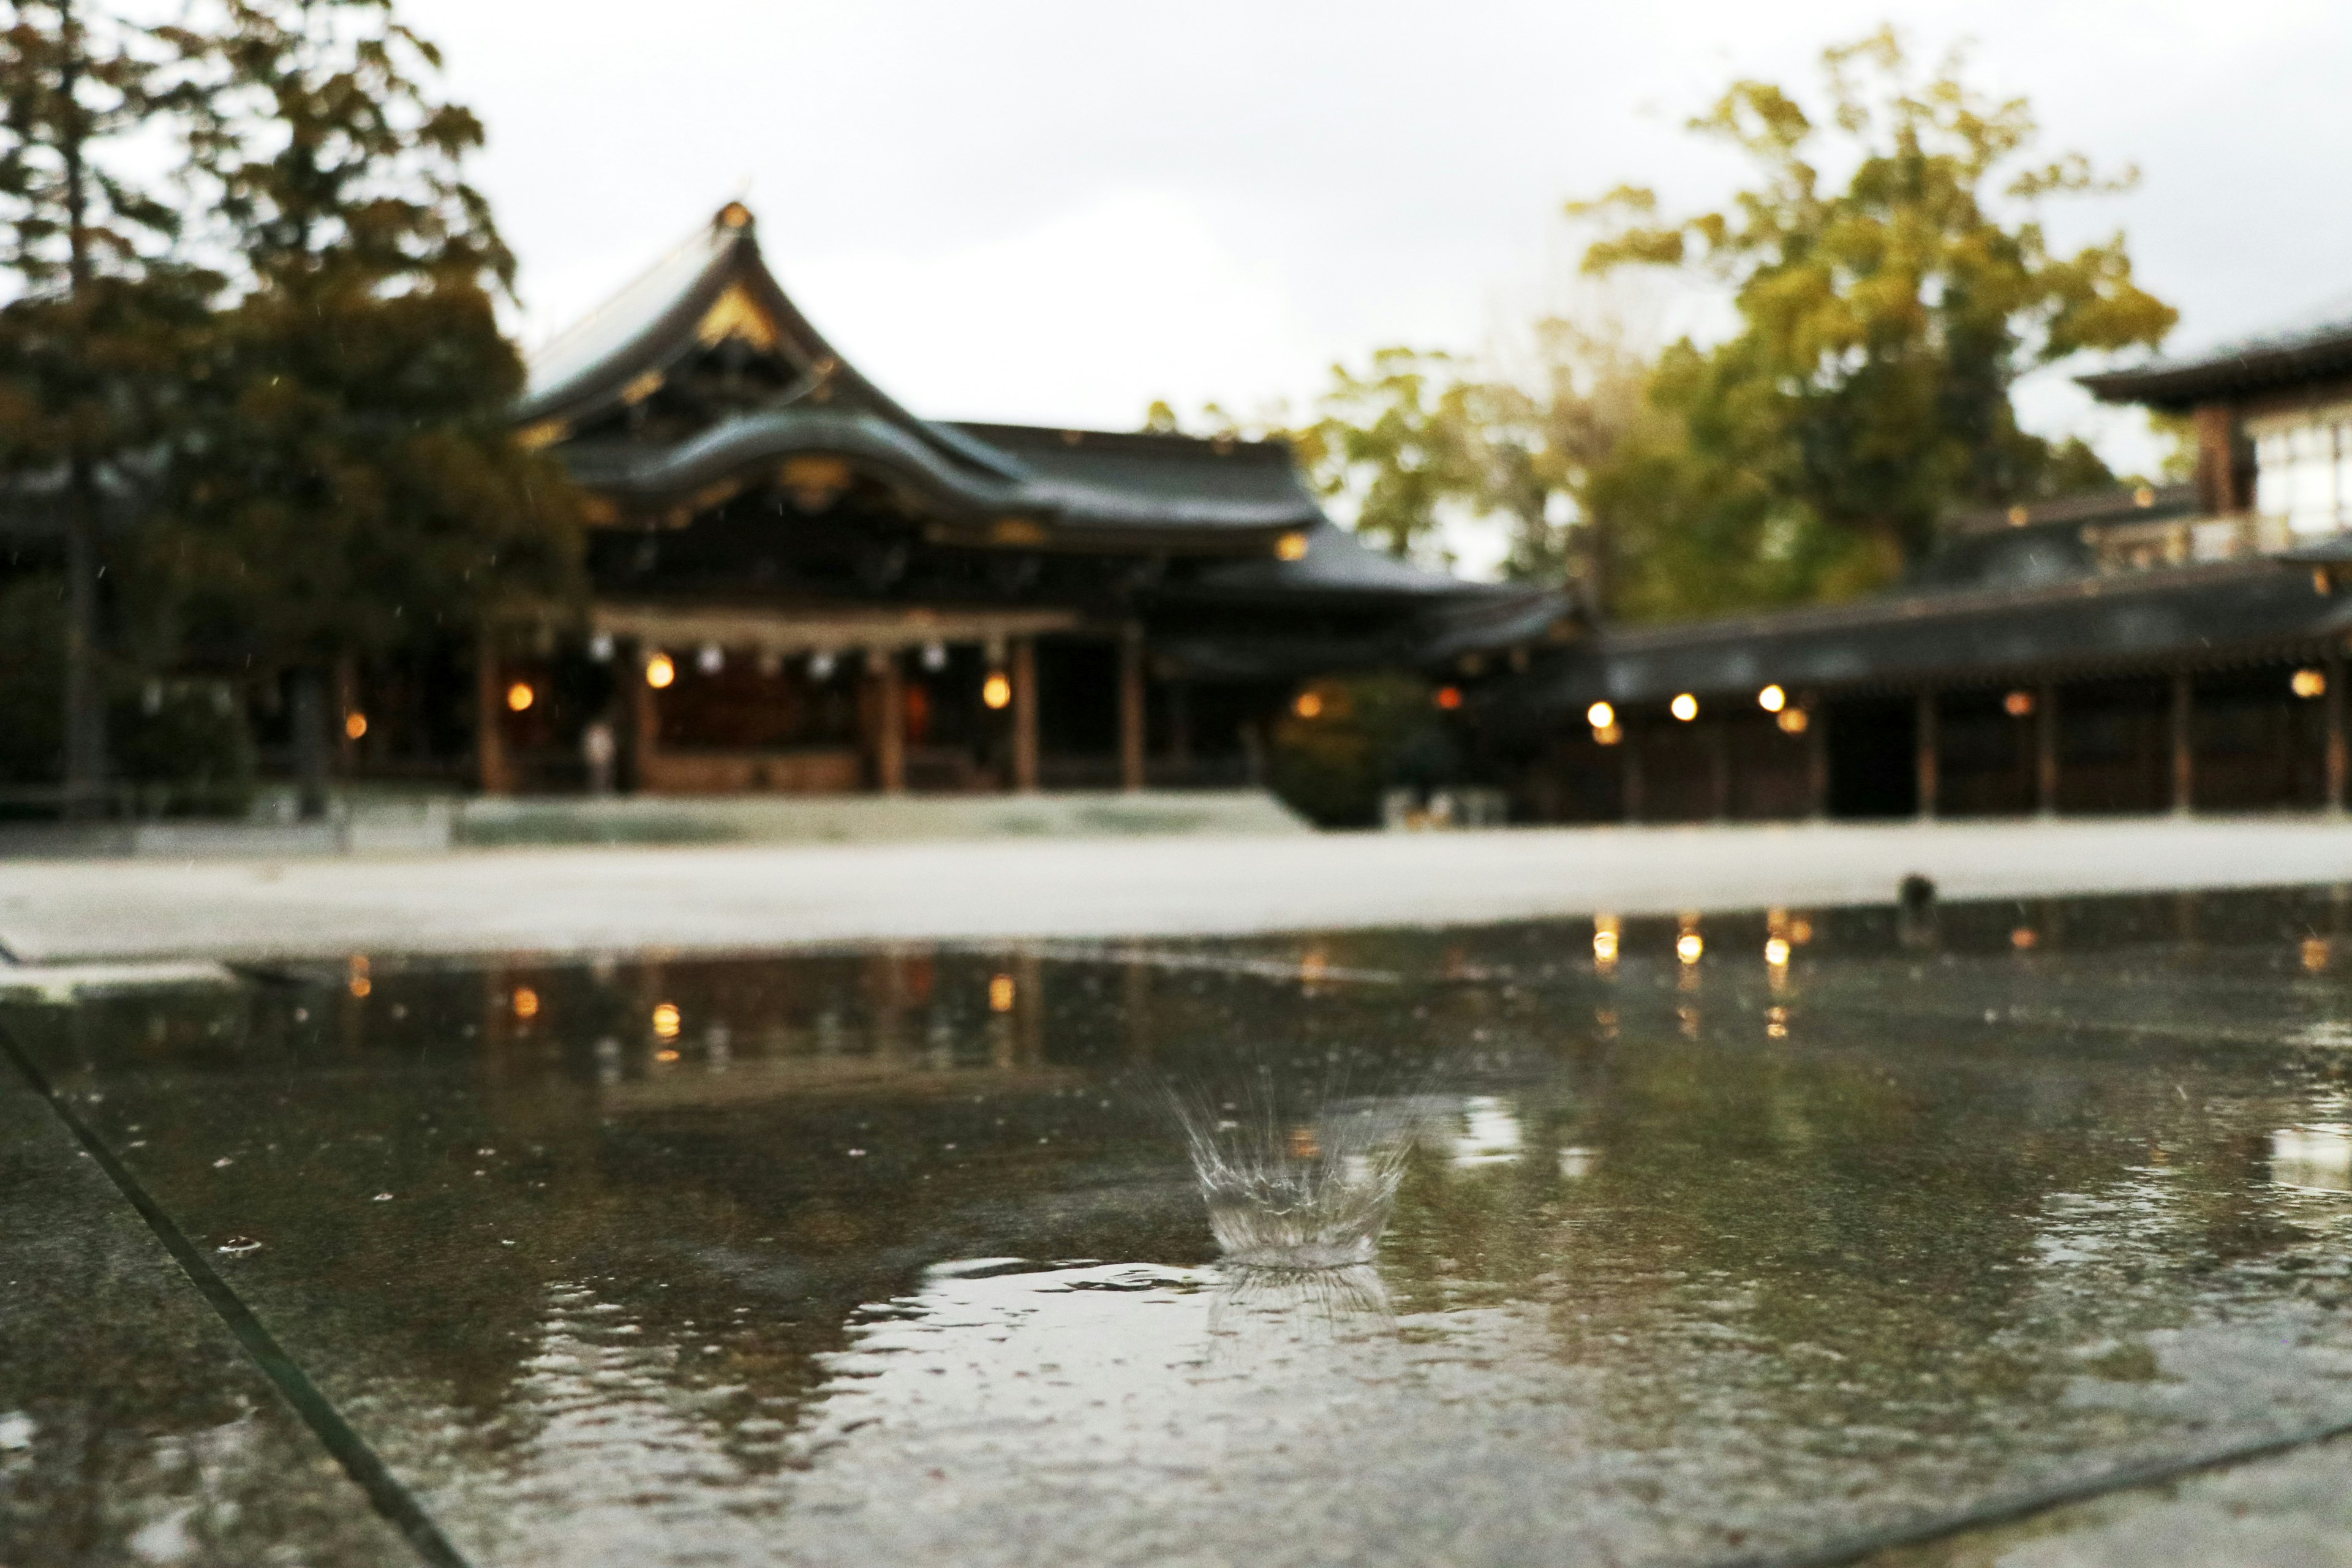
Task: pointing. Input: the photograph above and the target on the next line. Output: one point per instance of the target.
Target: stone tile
(132, 1426)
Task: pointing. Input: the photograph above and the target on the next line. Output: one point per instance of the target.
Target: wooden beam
(1130, 708)
(1024, 714)
(1930, 756)
(2184, 743)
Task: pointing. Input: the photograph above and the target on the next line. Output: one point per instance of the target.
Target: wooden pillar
(2219, 487)
(347, 702)
(889, 721)
(2184, 743)
(1179, 725)
(489, 718)
(1130, 708)
(2045, 751)
(645, 728)
(2336, 737)
(1930, 757)
(1817, 762)
(1629, 743)
(1718, 768)
(1024, 713)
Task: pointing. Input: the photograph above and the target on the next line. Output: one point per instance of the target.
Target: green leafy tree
(1883, 318)
(100, 318)
(357, 489)
(1421, 436)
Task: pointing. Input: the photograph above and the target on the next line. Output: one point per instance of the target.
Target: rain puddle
(1693, 1240)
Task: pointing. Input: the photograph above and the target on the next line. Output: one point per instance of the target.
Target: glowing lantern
(1690, 947)
(996, 692)
(354, 725)
(1449, 698)
(1684, 708)
(1771, 699)
(2309, 683)
(659, 672)
(1309, 705)
(667, 1020)
(519, 696)
(1776, 952)
(526, 1003)
(1793, 721)
(1001, 994)
(1291, 547)
(1600, 716)
(2018, 704)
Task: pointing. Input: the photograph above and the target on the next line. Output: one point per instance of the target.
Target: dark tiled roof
(2217, 614)
(1338, 563)
(2276, 361)
(1266, 498)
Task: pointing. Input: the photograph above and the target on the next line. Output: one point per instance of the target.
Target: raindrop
(239, 1246)
(222, 1163)
(858, 1153)
(383, 1198)
(301, 1015)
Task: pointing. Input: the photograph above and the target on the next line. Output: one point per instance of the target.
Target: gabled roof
(1083, 486)
(2318, 349)
(597, 363)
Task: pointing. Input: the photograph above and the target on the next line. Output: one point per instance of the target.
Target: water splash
(1298, 1194)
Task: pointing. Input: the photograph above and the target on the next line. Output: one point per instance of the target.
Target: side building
(2166, 647)
(799, 587)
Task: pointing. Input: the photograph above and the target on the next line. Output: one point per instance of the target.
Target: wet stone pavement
(1775, 1238)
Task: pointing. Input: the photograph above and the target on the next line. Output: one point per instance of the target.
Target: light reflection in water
(2316, 1158)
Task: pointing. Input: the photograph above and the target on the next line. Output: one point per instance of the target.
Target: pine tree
(359, 489)
(100, 316)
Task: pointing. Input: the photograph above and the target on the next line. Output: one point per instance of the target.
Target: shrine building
(800, 586)
(2169, 648)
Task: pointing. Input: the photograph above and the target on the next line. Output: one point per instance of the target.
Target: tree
(356, 488)
(101, 315)
(1422, 436)
(1882, 321)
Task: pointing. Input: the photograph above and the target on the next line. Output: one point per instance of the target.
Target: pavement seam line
(2026, 1505)
(359, 1461)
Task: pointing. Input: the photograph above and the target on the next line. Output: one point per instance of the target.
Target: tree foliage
(1885, 314)
(354, 485)
(1891, 278)
(102, 306)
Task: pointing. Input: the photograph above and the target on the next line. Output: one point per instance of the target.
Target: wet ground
(1771, 1238)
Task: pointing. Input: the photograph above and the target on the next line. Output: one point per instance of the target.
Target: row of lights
(1690, 946)
(1773, 700)
(2304, 683)
(661, 672)
(668, 1020)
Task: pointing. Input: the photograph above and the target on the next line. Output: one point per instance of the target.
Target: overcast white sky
(1057, 210)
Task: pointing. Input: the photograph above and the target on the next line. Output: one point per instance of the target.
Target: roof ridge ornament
(734, 214)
